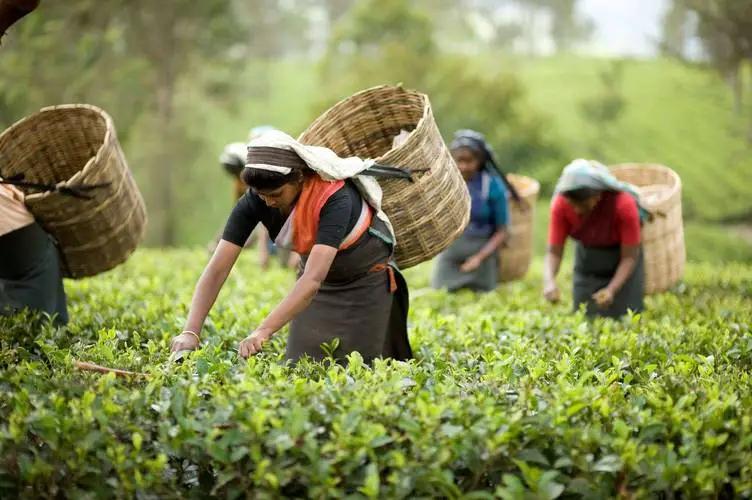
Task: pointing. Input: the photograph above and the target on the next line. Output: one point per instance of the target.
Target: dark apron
(355, 305)
(593, 269)
(30, 274)
(447, 272)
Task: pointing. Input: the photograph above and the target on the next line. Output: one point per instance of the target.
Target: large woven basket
(428, 214)
(516, 255)
(663, 236)
(75, 146)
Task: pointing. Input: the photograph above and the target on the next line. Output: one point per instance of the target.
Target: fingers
(182, 343)
(250, 346)
(246, 348)
(602, 299)
(551, 295)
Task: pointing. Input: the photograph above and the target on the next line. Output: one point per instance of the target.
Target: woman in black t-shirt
(348, 289)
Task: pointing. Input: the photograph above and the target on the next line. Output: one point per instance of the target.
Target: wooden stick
(83, 365)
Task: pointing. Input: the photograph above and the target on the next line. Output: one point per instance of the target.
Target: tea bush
(507, 397)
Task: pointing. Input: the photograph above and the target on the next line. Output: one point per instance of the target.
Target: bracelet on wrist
(198, 339)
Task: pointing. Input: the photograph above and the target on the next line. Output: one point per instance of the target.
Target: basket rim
(532, 186)
(676, 182)
(107, 139)
(427, 110)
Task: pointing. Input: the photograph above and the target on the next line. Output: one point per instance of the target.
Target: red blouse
(615, 220)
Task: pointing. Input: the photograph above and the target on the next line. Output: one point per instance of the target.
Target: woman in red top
(603, 216)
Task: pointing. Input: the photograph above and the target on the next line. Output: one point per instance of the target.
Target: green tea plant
(508, 397)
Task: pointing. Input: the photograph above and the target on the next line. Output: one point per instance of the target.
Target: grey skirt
(447, 274)
(30, 274)
(593, 269)
(356, 306)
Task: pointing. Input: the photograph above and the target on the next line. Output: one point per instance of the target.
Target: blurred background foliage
(183, 78)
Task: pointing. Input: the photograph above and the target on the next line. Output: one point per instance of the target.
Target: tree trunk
(749, 130)
(735, 81)
(530, 22)
(165, 163)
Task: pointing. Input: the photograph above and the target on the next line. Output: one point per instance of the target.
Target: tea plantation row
(508, 397)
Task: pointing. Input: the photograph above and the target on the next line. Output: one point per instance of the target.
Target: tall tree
(380, 40)
(568, 26)
(676, 30)
(173, 38)
(725, 29)
(127, 56)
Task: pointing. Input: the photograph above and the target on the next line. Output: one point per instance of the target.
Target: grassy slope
(676, 115)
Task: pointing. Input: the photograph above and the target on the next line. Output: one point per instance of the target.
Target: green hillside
(676, 115)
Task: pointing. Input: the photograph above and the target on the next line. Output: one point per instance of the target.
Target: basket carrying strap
(76, 192)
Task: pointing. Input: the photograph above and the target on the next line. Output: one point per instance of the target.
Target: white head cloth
(327, 165)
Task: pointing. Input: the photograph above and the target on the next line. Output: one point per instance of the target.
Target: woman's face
(584, 207)
(282, 198)
(467, 161)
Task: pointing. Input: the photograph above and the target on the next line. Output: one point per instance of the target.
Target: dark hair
(233, 167)
(580, 195)
(264, 180)
(478, 154)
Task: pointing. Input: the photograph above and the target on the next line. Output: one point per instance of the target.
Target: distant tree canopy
(127, 56)
(392, 41)
(724, 29)
(134, 58)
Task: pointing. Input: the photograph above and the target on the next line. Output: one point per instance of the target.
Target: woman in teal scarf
(603, 216)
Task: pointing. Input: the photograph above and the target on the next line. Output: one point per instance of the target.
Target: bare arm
(552, 263)
(627, 264)
(207, 289)
(305, 289)
(551, 267)
(493, 244)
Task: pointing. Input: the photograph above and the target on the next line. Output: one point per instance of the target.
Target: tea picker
(355, 206)
(604, 216)
(69, 206)
(472, 261)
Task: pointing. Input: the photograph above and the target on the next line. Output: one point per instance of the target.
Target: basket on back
(516, 255)
(428, 214)
(74, 147)
(663, 236)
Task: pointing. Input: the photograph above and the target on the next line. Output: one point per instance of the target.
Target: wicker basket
(427, 215)
(516, 255)
(75, 146)
(663, 237)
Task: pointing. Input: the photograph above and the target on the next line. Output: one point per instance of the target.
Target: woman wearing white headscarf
(320, 206)
(232, 160)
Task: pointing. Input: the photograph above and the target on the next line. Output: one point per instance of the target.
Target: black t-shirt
(338, 217)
